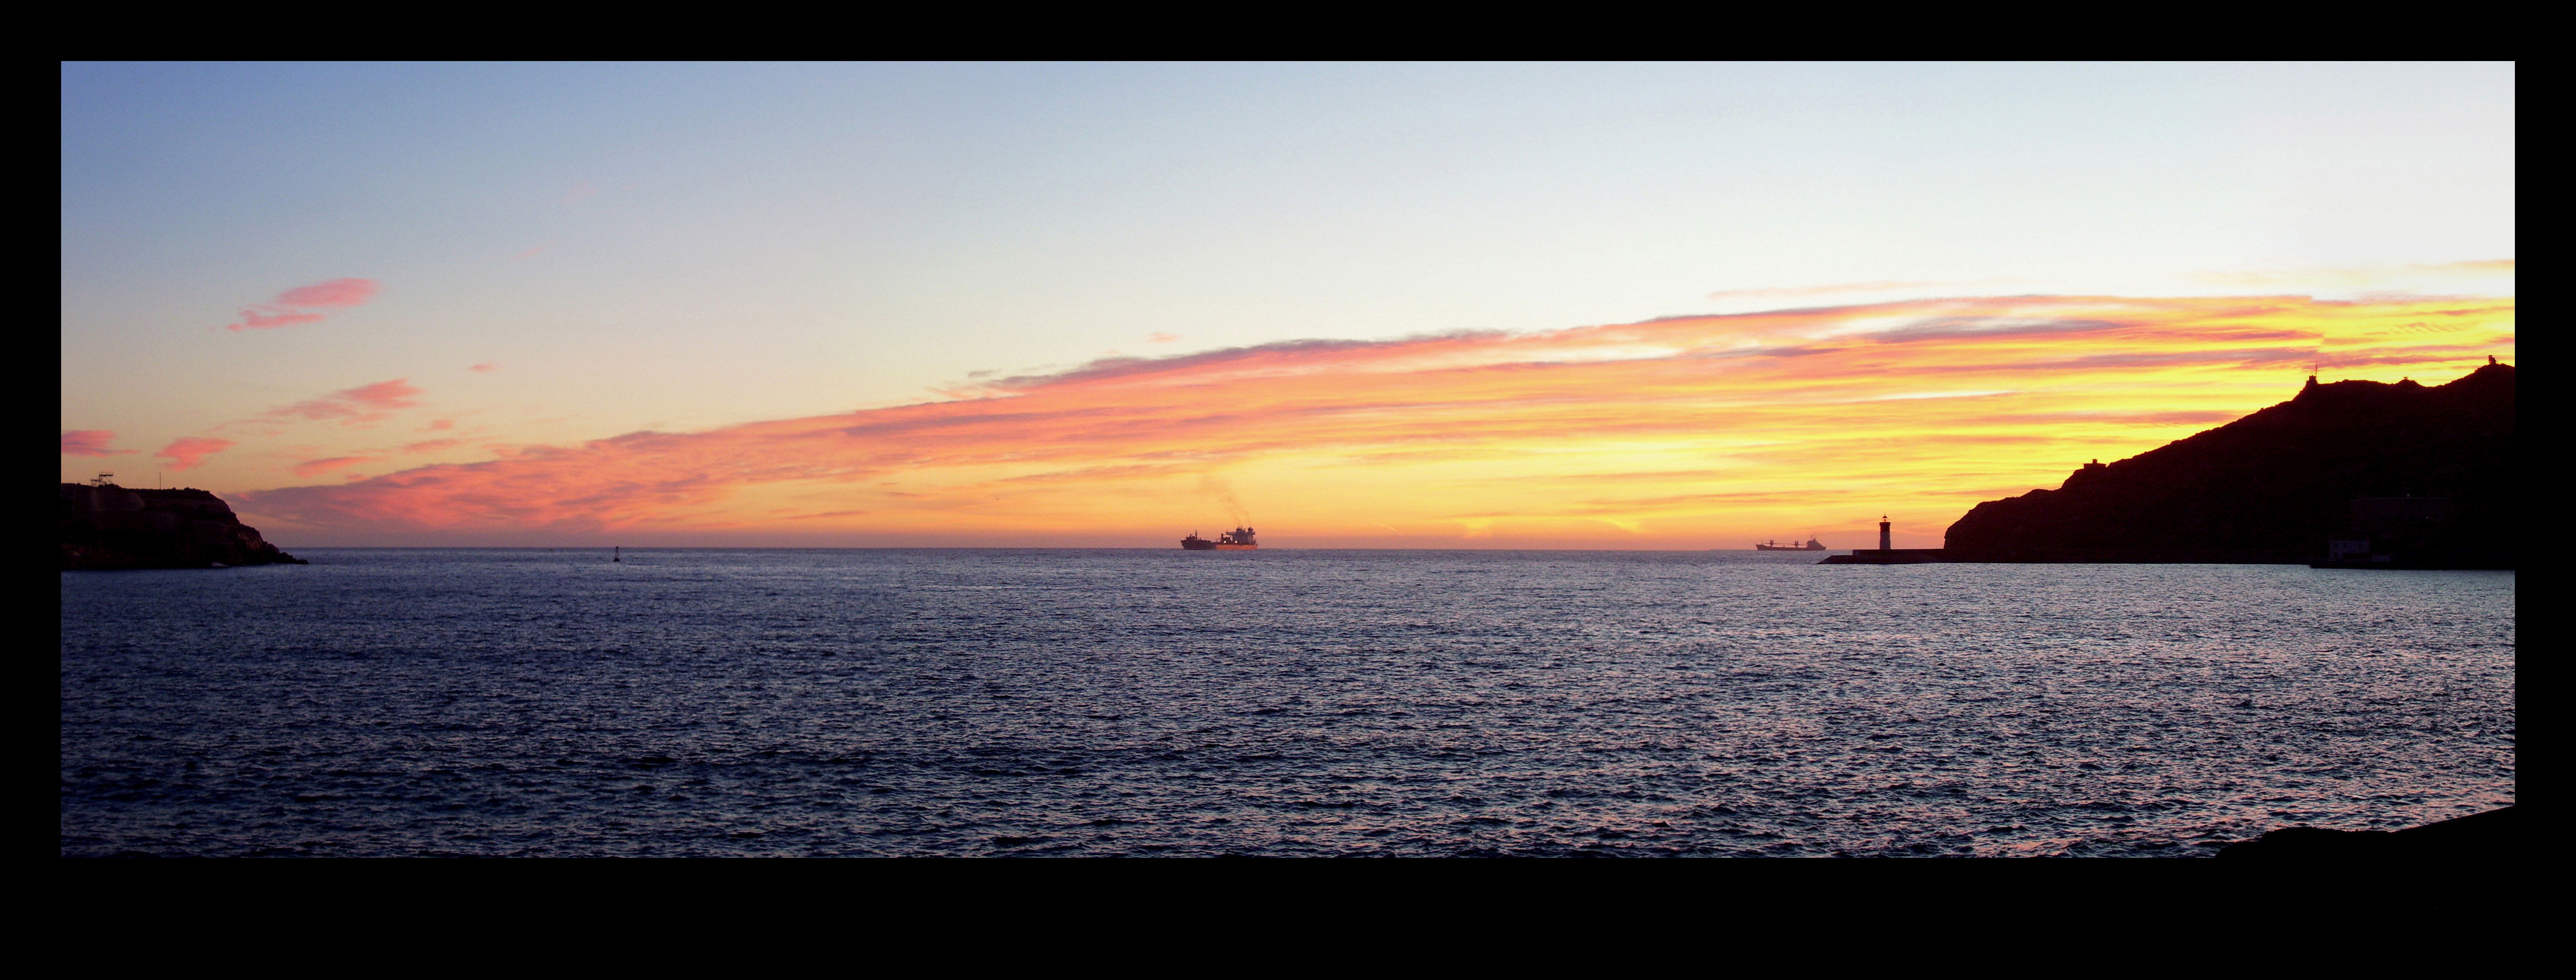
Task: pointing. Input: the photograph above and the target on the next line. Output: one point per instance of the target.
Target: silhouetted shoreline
(105, 526)
(2398, 475)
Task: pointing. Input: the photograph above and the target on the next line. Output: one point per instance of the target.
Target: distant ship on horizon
(1811, 545)
(1239, 539)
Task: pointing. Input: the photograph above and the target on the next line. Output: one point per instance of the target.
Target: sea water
(1279, 702)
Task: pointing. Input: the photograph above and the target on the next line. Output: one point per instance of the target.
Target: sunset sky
(1562, 306)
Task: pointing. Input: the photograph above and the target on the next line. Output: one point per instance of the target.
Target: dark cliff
(2426, 472)
(113, 527)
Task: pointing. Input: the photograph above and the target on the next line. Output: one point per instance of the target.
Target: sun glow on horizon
(1684, 432)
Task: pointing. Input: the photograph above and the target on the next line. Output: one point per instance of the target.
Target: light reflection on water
(1275, 702)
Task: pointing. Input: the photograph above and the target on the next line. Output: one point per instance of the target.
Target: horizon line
(372, 547)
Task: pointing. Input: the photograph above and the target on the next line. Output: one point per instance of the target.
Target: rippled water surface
(1101, 702)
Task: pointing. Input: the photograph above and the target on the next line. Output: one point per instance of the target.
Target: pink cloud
(1831, 393)
(365, 403)
(315, 467)
(337, 292)
(441, 425)
(384, 394)
(281, 312)
(432, 445)
(90, 442)
(253, 319)
(531, 251)
(486, 367)
(188, 452)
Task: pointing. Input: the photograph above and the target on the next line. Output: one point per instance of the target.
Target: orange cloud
(1681, 432)
(188, 452)
(2485, 266)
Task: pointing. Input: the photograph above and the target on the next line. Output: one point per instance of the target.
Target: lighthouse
(1887, 553)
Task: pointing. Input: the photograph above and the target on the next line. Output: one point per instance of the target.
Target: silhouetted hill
(109, 526)
(2278, 485)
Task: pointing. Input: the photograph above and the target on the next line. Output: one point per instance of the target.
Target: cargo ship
(1811, 545)
(1239, 539)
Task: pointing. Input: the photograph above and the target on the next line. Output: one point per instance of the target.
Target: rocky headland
(105, 526)
(2411, 475)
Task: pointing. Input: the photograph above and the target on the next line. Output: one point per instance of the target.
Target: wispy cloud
(90, 442)
(359, 406)
(1781, 420)
(384, 394)
(315, 467)
(362, 404)
(1159, 337)
(293, 306)
(187, 452)
(486, 367)
(2480, 266)
(1952, 327)
(337, 292)
(2343, 277)
(266, 318)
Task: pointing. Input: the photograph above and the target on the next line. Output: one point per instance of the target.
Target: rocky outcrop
(106, 526)
(2493, 834)
(2426, 472)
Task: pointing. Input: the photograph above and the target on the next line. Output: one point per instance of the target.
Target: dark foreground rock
(2493, 834)
(2411, 476)
(106, 526)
